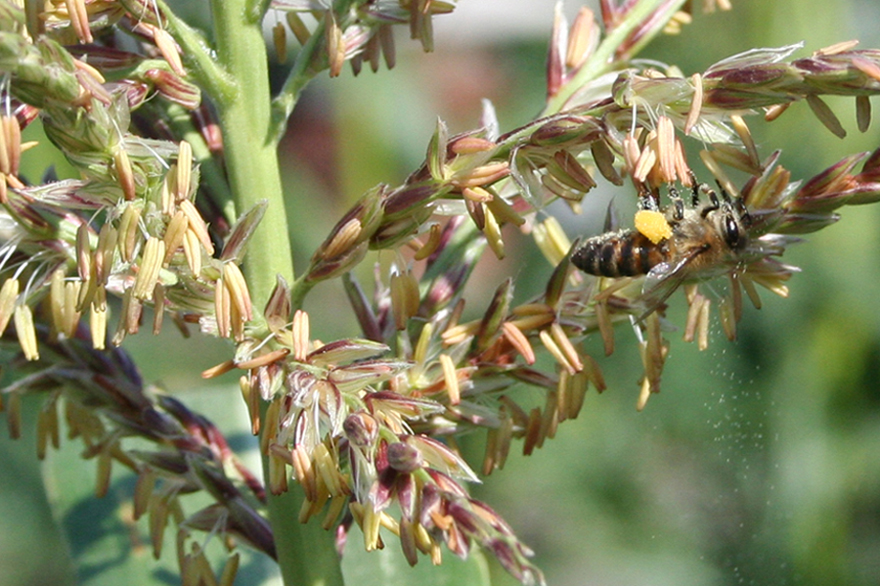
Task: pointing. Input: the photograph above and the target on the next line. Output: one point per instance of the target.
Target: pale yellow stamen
(183, 171)
(519, 341)
(298, 28)
(148, 273)
(745, 135)
(696, 104)
(174, 235)
(567, 348)
(263, 359)
(98, 325)
(168, 48)
(459, 333)
(193, 252)
(124, 173)
(279, 40)
(23, 318)
(836, 48)
(222, 305)
(666, 148)
(492, 232)
(300, 330)
(429, 247)
(555, 351)
(128, 232)
(197, 224)
(238, 290)
(451, 379)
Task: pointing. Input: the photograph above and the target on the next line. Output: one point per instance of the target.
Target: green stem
(251, 155)
(306, 553)
(311, 60)
(603, 58)
(198, 56)
(304, 69)
(298, 292)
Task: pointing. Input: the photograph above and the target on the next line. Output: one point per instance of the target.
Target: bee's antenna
(677, 204)
(740, 206)
(736, 205)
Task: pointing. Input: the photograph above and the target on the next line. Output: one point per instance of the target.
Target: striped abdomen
(619, 254)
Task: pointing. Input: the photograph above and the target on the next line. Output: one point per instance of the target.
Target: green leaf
(107, 546)
(388, 567)
(32, 548)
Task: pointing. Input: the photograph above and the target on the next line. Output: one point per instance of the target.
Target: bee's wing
(663, 280)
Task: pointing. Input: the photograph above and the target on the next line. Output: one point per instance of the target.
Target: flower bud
(174, 88)
(334, 43)
(361, 429)
(402, 201)
(441, 457)
(495, 314)
(566, 169)
(583, 38)
(345, 351)
(437, 149)
(403, 457)
(327, 269)
(566, 130)
(468, 145)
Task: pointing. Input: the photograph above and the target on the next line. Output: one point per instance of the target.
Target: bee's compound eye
(733, 234)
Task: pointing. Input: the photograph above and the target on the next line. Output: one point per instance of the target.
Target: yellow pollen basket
(652, 225)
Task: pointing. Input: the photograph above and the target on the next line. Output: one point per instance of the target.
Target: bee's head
(732, 225)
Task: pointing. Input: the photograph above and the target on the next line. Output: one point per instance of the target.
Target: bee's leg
(694, 183)
(677, 204)
(647, 202)
(695, 189)
(714, 202)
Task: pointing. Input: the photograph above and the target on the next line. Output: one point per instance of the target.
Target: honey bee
(702, 237)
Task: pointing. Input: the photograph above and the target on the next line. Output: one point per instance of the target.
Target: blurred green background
(758, 464)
